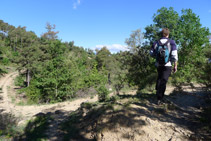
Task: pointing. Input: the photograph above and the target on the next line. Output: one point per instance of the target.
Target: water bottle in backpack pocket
(163, 52)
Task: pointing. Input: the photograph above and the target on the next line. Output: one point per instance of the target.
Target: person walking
(165, 52)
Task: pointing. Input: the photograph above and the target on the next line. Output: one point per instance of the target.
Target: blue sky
(94, 23)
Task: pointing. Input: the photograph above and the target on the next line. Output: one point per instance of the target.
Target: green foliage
(53, 79)
(119, 81)
(193, 41)
(142, 71)
(114, 98)
(61, 73)
(53, 71)
(8, 125)
(19, 81)
(33, 93)
(56, 71)
(119, 73)
(4, 59)
(2, 70)
(141, 68)
(103, 58)
(35, 129)
(205, 77)
(190, 37)
(94, 78)
(114, 67)
(102, 93)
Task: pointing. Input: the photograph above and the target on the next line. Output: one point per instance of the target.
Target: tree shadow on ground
(185, 109)
(7, 122)
(88, 124)
(92, 120)
(35, 128)
(44, 126)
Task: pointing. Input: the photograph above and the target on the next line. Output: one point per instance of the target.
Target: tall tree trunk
(14, 47)
(109, 78)
(56, 90)
(16, 42)
(21, 42)
(56, 85)
(27, 77)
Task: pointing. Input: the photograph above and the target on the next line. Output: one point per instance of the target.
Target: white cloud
(76, 4)
(113, 48)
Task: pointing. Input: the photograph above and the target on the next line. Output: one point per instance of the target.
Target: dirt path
(138, 118)
(27, 112)
(176, 120)
(140, 121)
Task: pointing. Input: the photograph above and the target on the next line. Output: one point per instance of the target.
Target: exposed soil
(132, 117)
(28, 111)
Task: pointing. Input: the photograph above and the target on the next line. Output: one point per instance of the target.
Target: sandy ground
(150, 122)
(27, 112)
(141, 122)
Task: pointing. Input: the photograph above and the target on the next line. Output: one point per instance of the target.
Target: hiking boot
(159, 102)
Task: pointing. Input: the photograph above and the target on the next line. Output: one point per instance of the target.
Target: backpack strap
(168, 44)
(159, 43)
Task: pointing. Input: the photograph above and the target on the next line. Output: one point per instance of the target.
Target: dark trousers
(163, 75)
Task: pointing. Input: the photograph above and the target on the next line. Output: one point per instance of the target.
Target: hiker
(165, 52)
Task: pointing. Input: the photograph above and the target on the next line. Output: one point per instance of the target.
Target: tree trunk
(16, 43)
(56, 90)
(21, 42)
(109, 78)
(56, 84)
(27, 77)
(14, 47)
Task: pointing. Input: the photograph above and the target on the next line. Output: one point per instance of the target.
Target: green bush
(35, 129)
(102, 93)
(205, 77)
(8, 125)
(114, 99)
(5, 61)
(19, 81)
(33, 93)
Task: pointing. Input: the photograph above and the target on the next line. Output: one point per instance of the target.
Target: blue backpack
(163, 52)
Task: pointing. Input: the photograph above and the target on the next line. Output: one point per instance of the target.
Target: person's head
(165, 32)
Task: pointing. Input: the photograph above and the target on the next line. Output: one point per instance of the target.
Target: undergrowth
(35, 129)
(8, 126)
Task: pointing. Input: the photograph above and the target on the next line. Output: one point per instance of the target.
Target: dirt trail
(176, 120)
(27, 112)
(172, 122)
(139, 118)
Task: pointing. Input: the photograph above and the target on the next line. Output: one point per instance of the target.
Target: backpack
(163, 52)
